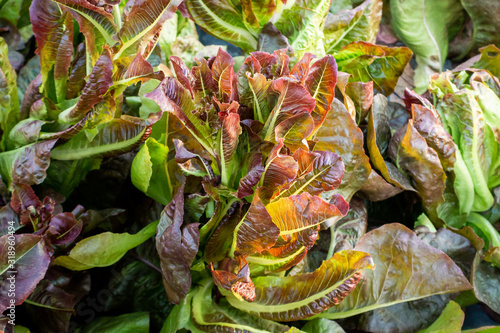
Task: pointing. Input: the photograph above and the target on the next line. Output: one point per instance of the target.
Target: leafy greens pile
(253, 192)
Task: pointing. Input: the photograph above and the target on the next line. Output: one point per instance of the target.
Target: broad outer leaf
(256, 231)
(409, 150)
(321, 83)
(221, 19)
(28, 164)
(423, 26)
(352, 25)
(21, 266)
(142, 25)
(368, 62)
(376, 188)
(407, 269)
(340, 134)
(301, 296)
(322, 325)
(103, 249)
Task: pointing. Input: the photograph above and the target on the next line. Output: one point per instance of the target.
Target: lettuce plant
(254, 160)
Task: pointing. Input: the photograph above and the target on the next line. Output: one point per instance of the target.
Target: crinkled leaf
(97, 85)
(27, 164)
(104, 249)
(352, 25)
(25, 132)
(340, 134)
(30, 259)
(407, 269)
(368, 62)
(309, 293)
(349, 229)
(411, 154)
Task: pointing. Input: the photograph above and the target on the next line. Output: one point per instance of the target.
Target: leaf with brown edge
(142, 24)
(340, 134)
(378, 136)
(255, 232)
(326, 175)
(223, 75)
(407, 269)
(307, 294)
(412, 155)
(295, 130)
(30, 263)
(320, 83)
(285, 253)
(280, 171)
(53, 30)
(95, 23)
(291, 99)
(100, 80)
(298, 212)
(300, 71)
(361, 94)
(239, 283)
(203, 84)
(490, 56)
